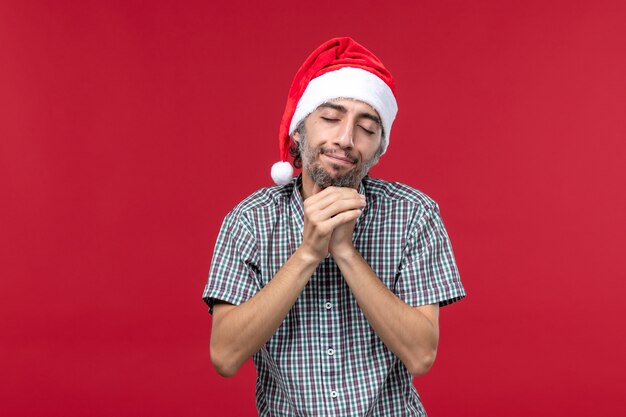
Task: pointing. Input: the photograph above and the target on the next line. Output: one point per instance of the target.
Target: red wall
(129, 129)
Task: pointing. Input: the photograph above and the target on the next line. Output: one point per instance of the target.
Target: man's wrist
(346, 254)
(307, 258)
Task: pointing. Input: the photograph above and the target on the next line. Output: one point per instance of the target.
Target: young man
(333, 281)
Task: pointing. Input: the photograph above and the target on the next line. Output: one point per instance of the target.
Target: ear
(296, 137)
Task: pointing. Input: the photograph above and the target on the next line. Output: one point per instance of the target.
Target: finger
(340, 206)
(344, 217)
(328, 201)
(319, 213)
(329, 196)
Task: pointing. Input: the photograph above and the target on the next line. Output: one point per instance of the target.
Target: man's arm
(412, 333)
(240, 331)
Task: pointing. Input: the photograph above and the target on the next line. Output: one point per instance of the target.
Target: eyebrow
(342, 109)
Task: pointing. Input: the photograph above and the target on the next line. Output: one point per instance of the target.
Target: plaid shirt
(325, 359)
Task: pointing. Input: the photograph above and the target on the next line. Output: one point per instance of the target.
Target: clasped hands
(329, 219)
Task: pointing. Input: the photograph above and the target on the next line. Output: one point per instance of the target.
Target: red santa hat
(339, 68)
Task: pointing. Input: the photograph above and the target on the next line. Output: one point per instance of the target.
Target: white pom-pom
(282, 173)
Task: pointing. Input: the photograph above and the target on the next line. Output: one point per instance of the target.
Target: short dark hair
(294, 149)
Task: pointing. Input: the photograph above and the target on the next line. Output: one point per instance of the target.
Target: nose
(346, 136)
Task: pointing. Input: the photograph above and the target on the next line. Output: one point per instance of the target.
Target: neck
(306, 188)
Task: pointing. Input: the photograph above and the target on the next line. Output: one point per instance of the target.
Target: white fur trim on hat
(348, 82)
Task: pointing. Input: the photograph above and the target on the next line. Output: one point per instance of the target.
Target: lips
(340, 159)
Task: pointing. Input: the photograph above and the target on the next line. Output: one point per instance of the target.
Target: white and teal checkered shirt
(325, 359)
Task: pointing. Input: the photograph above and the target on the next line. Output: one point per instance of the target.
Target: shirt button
(333, 394)
(328, 306)
(330, 352)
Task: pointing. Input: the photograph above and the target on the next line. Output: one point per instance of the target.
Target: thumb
(316, 188)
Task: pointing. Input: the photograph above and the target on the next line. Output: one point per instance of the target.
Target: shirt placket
(330, 336)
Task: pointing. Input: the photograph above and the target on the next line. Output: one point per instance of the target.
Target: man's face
(340, 143)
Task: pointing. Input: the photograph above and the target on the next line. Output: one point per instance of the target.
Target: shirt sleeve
(232, 276)
(429, 274)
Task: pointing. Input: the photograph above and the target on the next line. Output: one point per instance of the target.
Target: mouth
(338, 159)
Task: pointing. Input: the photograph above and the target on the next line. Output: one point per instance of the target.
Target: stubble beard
(312, 166)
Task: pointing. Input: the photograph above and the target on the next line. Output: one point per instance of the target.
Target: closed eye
(329, 119)
(367, 130)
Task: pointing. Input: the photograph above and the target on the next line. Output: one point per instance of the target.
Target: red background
(128, 129)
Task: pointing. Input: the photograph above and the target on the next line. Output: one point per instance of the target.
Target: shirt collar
(297, 205)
